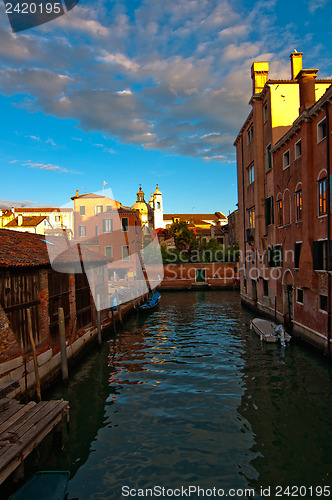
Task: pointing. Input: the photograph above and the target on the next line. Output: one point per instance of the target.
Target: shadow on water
(190, 396)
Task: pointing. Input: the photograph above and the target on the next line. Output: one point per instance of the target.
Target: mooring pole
(98, 319)
(32, 342)
(62, 339)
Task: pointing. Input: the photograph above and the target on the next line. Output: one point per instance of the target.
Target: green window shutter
(267, 211)
(317, 255)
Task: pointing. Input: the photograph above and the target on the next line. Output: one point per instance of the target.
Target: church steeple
(140, 194)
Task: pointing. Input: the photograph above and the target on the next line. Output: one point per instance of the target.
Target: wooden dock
(23, 427)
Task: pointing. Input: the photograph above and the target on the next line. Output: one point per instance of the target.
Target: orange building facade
(105, 226)
(283, 167)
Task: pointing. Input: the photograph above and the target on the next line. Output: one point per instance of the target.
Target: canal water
(189, 396)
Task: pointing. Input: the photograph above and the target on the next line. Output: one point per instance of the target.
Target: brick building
(27, 281)
(283, 167)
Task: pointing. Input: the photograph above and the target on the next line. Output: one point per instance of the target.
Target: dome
(141, 204)
(157, 191)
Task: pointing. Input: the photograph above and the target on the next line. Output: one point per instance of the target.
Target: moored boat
(151, 304)
(270, 331)
(50, 485)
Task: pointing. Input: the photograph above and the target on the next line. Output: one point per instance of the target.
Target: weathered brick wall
(9, 347)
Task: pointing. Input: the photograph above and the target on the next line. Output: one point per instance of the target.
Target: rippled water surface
(190, 396)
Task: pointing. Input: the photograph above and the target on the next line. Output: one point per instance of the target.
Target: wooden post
(98, 319)
(62, 339)
(119, 309)
(113, 321)
(34, 354)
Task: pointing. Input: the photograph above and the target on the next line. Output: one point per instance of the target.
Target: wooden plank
(14, 406)
(8, 386)
(19, 412)
(41, 432)
(27, 419)
(46, 416)
(25, 427)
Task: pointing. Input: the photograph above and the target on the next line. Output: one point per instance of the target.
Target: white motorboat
(269, 331)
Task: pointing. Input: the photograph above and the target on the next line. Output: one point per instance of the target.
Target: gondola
(151, 304)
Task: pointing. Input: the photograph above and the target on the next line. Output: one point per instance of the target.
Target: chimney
(259, 75)
(306, 79)
(19, 220)
(76, 192)
(296, 63)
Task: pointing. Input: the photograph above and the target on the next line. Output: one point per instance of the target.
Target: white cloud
(50, 167)
(80, 19)
(316, 4)
(172, 76)
(120, 60)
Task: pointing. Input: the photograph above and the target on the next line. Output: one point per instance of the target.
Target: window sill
(322, 216)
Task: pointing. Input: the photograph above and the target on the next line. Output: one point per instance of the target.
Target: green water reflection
(190, 396)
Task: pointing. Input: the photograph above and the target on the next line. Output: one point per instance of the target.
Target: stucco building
(283, 167)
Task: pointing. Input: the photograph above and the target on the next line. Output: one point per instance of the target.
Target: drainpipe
(328, 250)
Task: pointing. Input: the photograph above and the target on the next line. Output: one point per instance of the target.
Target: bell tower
(158, 209)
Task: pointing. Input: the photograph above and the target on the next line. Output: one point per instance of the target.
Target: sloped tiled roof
(32, 221)
(41, 209)
(23, 249)
(195, 217)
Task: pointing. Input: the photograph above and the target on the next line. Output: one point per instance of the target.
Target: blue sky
(147, 92)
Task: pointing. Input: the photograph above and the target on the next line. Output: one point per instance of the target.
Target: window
(107, 225)
(269, 212)
(124, 222)
(125, 253)
(57, 218)
(251, 174)
(109, 252)
(158, 205)
(82, 210)
(82, 230)
(136, 230)
(268, 157)
(96, 230)
(323, 302)
(265, 113)
(250, 135)
(265, 288)
(321, 130)
(297, 253)
(277, 256)
(285, 160)
(298, 203)
(299, 295)
(298, 149)
(108, 208)
(322, 189)
(252, 218)
(98, 209)
(280, 213)
(319, 255)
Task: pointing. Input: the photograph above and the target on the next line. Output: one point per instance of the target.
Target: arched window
(322, 192)
(286, 208)
(280, 210)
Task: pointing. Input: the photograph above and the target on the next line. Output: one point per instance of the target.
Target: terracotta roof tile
(23, 249)
(32, 221)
